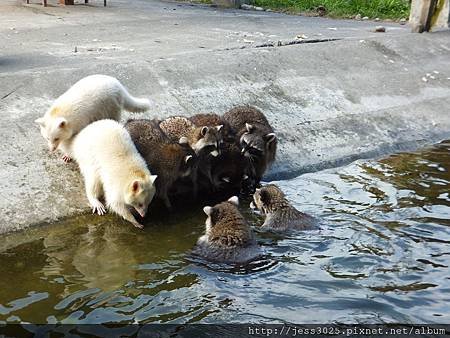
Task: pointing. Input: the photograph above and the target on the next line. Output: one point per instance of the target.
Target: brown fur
(214, 120)
(198, 138)
(258, 137)
(280, 214)
(229, 227)
(228, 236)
(165, 158)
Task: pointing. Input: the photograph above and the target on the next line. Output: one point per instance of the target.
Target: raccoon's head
(140, 193)
(221, 214)
(188, 160)
(208, 140)
(268, 198)
(255, 143)
(231, 169)
(54, 130)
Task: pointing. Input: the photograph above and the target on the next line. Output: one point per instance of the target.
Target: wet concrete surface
(362, 95)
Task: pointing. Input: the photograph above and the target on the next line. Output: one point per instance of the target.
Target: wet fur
(228, 237)
(280, 214)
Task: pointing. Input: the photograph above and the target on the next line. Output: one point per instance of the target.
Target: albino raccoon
(112, 167)
(256, 137)
(228, 238)
(167, 159)
(280, 214)
(231, 170)
(202, 139)
(93, 98)
(214, 120)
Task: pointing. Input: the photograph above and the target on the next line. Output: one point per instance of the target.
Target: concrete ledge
(329, 102)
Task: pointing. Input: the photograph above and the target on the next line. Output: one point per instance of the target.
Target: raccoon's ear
(183, 140)
(153, 178)
(249, 127)
(187, 158)
(234, 200)
(135, 186)
(207, 210)
(264, 195)
(270, 137)
(40, 121)
(62, 122)
(204, 130)
(219, 127)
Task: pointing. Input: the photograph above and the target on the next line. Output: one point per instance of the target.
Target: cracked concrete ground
(363, 95)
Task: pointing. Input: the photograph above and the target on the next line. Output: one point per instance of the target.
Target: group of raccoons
(127, 165)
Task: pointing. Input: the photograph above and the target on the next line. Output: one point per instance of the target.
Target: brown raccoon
(214, 120)
(231, 170)
(228, 237)
(202, 139)
(280, 214)
(255, 135)
(167, 159)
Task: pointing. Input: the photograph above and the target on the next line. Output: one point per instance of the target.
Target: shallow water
(382, 255)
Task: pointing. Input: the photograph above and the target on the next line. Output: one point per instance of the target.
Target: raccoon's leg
(94, 191)
(64, 147)
(194, 180)
(165, 197)
(121, 210)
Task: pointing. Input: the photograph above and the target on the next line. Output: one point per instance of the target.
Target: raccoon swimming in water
(255, 136)
(167, 159)
(280, 214)
(228, 237)
(93, 98)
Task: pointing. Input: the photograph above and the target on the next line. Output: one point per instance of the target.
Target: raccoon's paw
(98, 208)
(66, 158)
(138, 225)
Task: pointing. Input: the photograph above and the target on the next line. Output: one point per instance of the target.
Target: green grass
(383, 9)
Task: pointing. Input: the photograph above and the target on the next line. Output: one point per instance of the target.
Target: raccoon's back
(209, 119)
(237, 117)
(113, 145)
(146, 134)
(221, 254)
(176, 127)
(290, 218)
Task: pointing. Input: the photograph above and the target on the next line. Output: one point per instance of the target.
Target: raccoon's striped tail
(134, 104)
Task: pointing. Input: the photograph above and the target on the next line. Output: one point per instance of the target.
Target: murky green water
(382, 255)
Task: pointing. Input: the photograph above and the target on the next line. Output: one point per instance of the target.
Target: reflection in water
(382, 255)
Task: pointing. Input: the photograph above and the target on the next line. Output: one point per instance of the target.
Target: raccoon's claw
(98, 208)
(138, 225)
(66, 158)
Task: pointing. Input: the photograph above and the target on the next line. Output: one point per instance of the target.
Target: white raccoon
(93, 98)
(112, 167)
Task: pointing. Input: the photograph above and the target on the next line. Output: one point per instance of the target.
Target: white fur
(93, 98)
(110, 163)
(234, 200)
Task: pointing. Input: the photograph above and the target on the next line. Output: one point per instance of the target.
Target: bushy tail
(134, 104)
